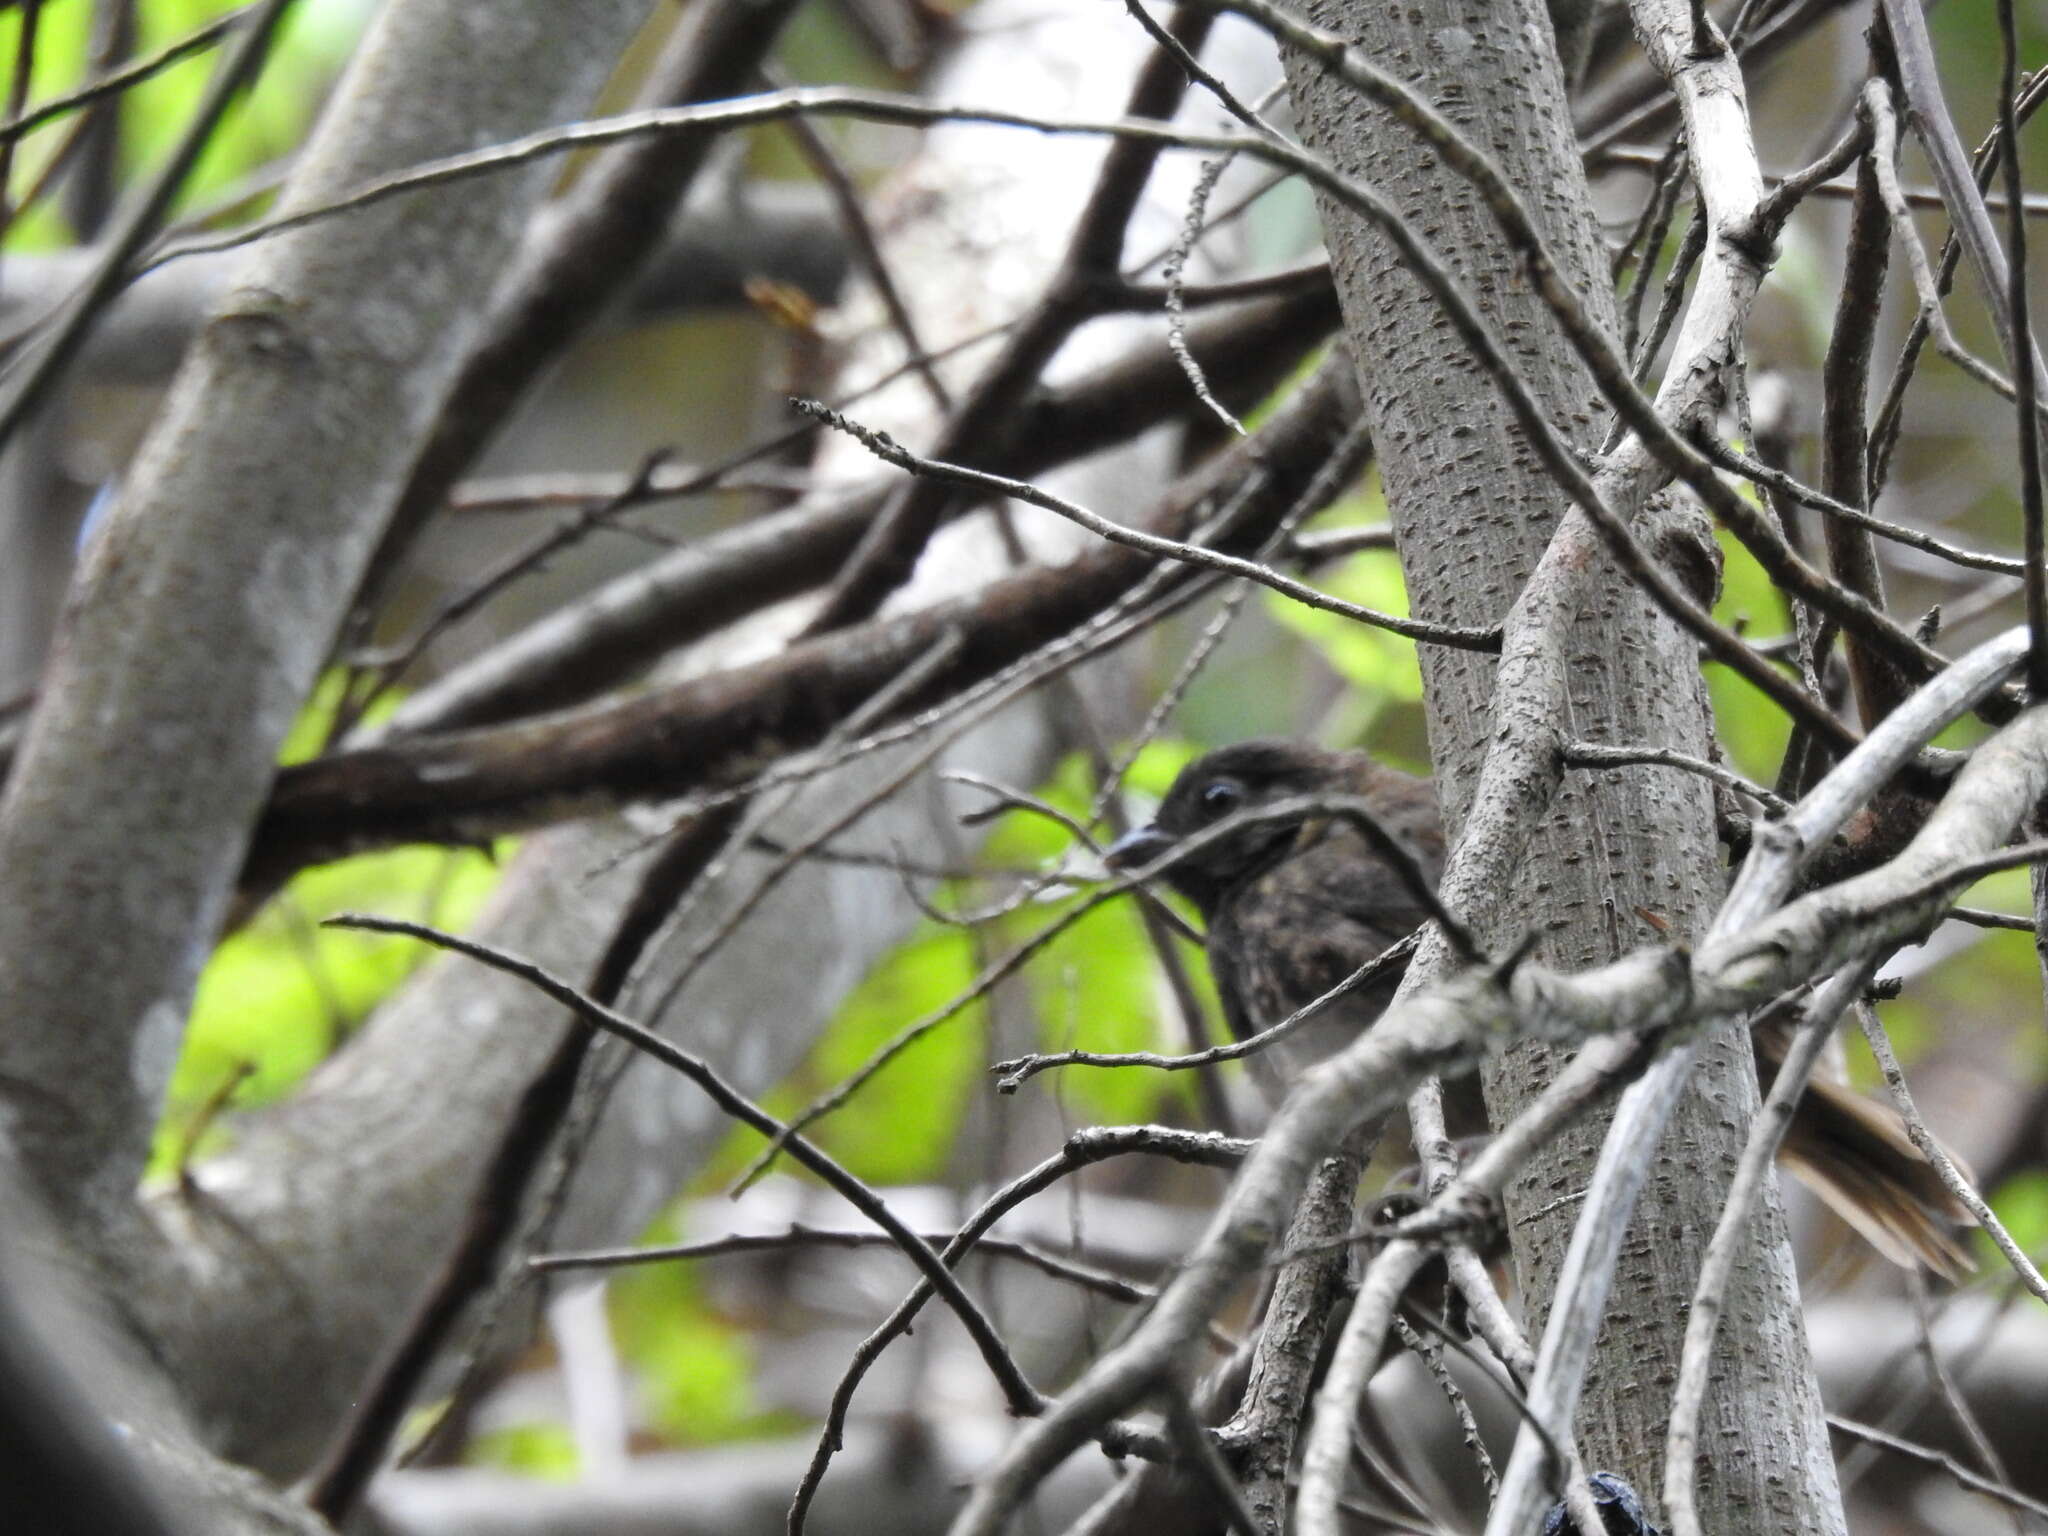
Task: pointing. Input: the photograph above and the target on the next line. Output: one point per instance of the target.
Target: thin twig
(1949, 1391)
(1937, 1155)
(1022, 1396)
(1432, 1357)
(839, 185)
(133, 73)
(2020, 352)
(1081, 1150)
(887, 449)
(1732, 1233)
(1898, 533)
(1890, 413)
(1014, 1073)
(1976, 1482)
(1589, 754)
(797, 1235)
(115, 265)
(1196, 1444)
(514, 568)
(877, 706)
(1877, 105)
(1225, 97)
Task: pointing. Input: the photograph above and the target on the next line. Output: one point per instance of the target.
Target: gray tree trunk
(1473, 511)
(205, 607)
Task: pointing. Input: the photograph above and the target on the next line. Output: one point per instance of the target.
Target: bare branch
(1022, 1396)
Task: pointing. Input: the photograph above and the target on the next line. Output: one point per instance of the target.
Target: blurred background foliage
(238, 169)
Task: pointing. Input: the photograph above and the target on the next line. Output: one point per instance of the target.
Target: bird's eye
(1222, 796)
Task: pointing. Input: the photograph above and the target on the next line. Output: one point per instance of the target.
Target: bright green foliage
(1752, 729)
(279, 993)
(900, 1127)
(308, 736)
(2022, 1205)
(1158, 764)
(1380, 667)
(695, 1368)
(267, 125)
(539, 1449)
(1992, 986)
(1096, 986)
(1100, 991)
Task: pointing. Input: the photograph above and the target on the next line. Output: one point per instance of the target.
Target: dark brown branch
(625, 625)
(890, 451)
(1022, 1397)
(889, 549)
(715, 730)
(1845, 438)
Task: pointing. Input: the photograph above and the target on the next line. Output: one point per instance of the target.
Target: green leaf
(1097, 989)
(543, 1449)
(1753, 730)
(262, 128)
(2022, 1205)
(1158, 764)
(900, 1126)
(1380, 667)
(695, 1369)
(277, 996)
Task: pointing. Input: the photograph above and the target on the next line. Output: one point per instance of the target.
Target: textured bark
(204, 609)
(1472, 512)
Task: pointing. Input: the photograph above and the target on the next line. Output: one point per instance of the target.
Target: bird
(1294, 903)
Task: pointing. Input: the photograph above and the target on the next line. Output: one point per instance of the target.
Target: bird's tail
(1855, 1154)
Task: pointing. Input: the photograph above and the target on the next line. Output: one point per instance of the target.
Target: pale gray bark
(98, 1438)
(205, 607)
(1473, 511)
(725, 235)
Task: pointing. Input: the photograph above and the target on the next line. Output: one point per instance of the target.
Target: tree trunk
(1473, 511)
(206, 606)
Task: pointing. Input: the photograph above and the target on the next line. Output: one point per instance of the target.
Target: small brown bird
(1295, 905)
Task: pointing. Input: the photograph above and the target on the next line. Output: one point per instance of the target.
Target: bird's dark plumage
(1295, 905)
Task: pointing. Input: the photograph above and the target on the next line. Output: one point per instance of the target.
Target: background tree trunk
(207, 604)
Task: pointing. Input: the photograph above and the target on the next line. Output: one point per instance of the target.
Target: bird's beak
(1137, 848)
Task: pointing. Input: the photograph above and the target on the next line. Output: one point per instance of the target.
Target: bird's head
(1218, 785)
